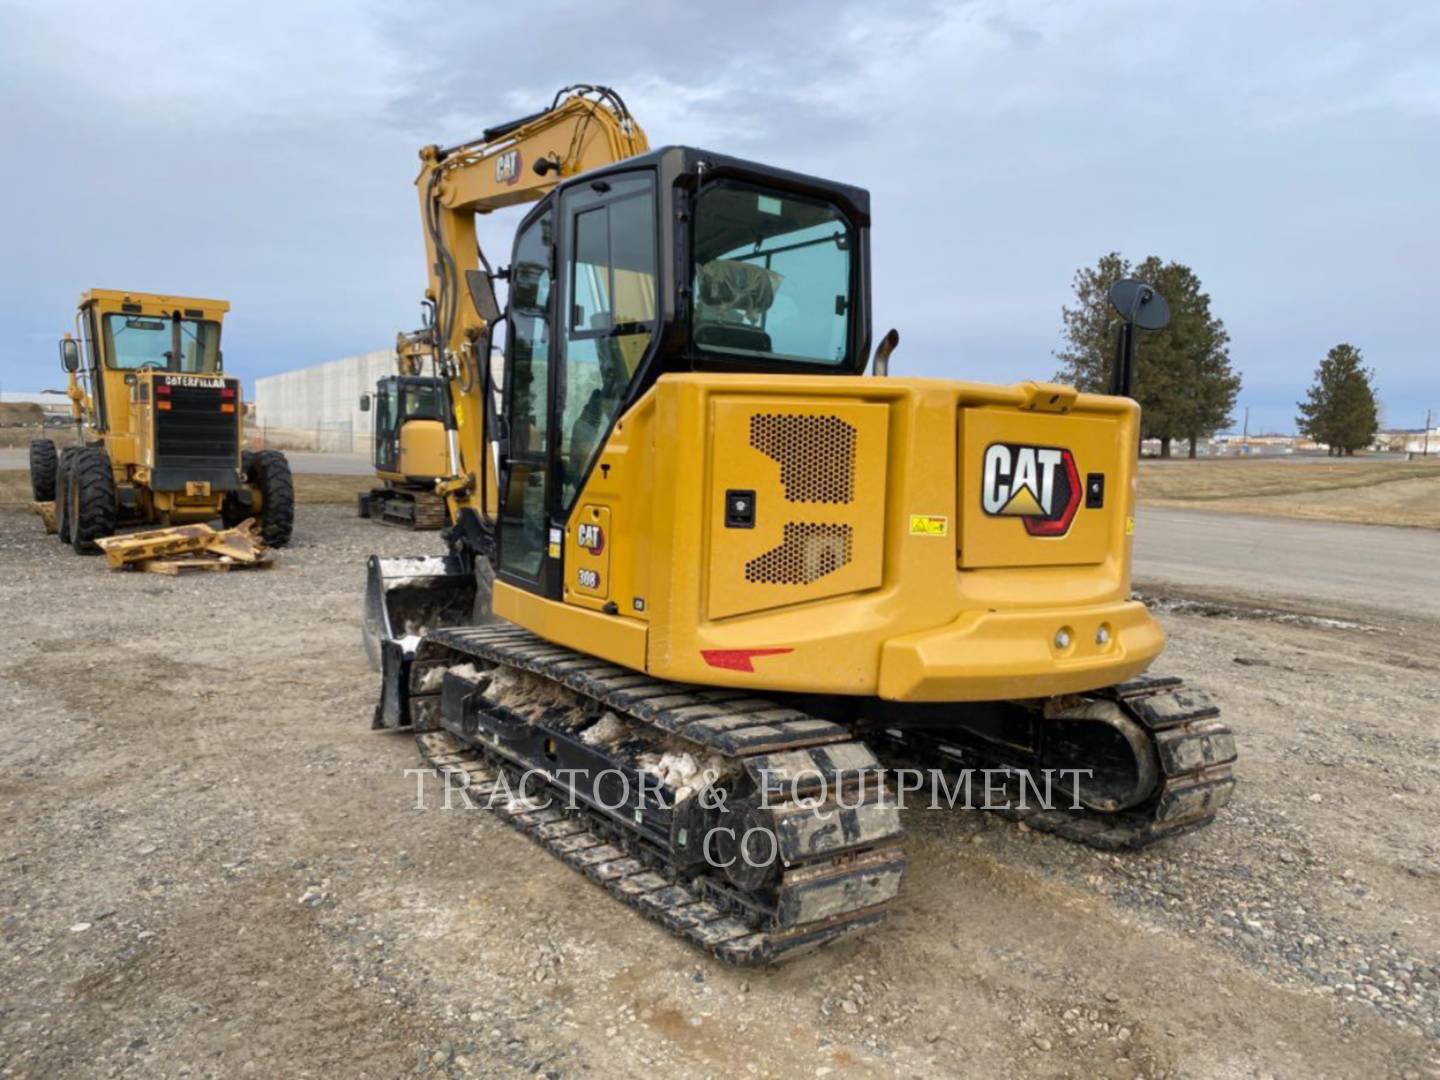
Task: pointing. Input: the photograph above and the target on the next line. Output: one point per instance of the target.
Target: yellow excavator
(410, 453)
(716, 600)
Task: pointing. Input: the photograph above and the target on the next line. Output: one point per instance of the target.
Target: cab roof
(672, 161)
(153, 303)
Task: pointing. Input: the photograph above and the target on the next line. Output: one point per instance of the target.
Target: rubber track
(429, 511)
(589, 844)
(840, 881)
(1195, 751)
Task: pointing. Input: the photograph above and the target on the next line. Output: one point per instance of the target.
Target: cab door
(387, 428)
(525, 548)
(577, 345)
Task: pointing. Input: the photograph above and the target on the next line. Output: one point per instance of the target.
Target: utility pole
(1425, 452)
(1245, 438)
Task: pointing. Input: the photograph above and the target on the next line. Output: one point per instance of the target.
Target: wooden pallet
(187, 548)
(189, 563)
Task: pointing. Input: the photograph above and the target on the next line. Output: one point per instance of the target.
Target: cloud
(265, 152)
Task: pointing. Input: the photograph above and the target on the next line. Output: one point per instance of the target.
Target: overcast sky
(265, 153)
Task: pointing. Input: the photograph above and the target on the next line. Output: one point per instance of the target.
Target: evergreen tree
(1183, 380)
(1340, 408)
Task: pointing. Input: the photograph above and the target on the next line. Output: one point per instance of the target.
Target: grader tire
(269, 472)
(62, 492)
(44, 464)
(93, 504)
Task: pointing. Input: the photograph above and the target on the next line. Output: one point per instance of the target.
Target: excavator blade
(404, 598)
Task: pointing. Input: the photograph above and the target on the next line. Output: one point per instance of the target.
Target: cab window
(527, 404)
(136, 341)
(387, 443)
(772, 276)
(609, 301)
(422, 403)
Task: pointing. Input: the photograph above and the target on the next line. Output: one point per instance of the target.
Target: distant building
(1408, 441)
(1266, 443)
(318, 407)
(54, 407)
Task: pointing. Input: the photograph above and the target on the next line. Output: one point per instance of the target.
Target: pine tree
(1340, 408)
(1183, 380)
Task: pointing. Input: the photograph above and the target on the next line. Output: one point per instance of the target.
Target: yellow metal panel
(989, 655)
(611, 637)
(925, 629)
(815, 473)
(423, 451)
(587, 552)
(1031, 448)
(622, 487)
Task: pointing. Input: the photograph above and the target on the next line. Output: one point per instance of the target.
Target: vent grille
(809, 552)
(816, 456)
(193, 433)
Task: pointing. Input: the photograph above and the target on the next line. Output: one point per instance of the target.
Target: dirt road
(211, 866)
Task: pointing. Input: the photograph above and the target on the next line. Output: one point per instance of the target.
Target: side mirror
(364, 402)
(482, 295)
(1139, 303)
(70, 354)
(1142, 308)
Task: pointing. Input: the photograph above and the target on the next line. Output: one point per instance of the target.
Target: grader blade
(121, 551)
(46, 510)
(185, 547)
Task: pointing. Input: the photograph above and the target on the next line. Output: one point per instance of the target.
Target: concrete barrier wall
(320, 405)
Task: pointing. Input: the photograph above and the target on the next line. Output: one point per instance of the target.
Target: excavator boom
(510, 164)
(585, 128)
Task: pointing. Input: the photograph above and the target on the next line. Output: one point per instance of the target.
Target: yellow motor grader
(159, 426)
(709, 580)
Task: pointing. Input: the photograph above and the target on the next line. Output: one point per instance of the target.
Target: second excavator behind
(706, 578)
(410, 449)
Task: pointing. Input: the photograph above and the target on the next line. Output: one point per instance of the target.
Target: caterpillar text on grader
(705, 575)
(159, 426)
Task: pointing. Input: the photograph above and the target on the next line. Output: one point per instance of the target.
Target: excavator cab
(410, 454)
(675, 260)
(678, 260)
(405, 407)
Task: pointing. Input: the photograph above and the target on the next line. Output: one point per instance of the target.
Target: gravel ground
(211, 866)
